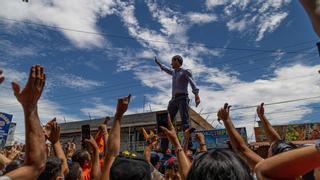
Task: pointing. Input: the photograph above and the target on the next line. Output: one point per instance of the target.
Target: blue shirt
(180, 79)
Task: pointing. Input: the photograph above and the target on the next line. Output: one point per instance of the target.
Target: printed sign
(5, 121)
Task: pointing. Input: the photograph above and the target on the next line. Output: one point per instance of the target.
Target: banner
(217, 138)
(291, 132)
(10, 137)
(5, 121)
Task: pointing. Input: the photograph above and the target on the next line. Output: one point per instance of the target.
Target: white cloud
(72, 14)
(257, 17)
(269, 24)
(77, 82)
(201, 18)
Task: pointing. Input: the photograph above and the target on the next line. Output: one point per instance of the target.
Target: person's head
(75, 172)
(172, 170)
(155, 160)
(128, 168)
(220, 164)
(176, 61)
(52, 170)
(82, 157)
(15, 164)
(280, 147)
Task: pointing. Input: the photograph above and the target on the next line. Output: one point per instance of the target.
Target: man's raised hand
(122, 105)
(223, 113)
(1, 76)
(156, 60)
(31, 93)
(260, 110)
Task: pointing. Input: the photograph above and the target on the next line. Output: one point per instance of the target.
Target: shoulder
(187, 71)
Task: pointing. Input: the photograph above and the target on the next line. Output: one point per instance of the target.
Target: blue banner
(5, 121)
(217, 138)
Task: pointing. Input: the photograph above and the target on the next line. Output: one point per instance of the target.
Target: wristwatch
(317, 144)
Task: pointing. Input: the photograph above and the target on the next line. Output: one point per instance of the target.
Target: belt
(180, 95)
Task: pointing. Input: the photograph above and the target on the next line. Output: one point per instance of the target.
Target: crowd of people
(44, 157)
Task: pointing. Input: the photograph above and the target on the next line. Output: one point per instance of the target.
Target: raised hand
(156, 60)
(92, 143)
(53, 131)
(200, 138)
(260, 110)
(1, 76)
(70, 149)
(171, 133)
(122, 105)
(30, 95)
(223, 113)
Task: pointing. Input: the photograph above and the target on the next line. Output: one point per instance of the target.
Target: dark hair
(81, 157)
(74, 171)
(178, 58)
(154, 158)
(15, 164)
(282, 146)
(52, 170)
(130, 168)
(220, 164)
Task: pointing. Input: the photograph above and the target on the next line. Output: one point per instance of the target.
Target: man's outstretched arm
(163, 67)
(35, 156)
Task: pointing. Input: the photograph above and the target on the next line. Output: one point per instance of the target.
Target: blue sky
(242, 52)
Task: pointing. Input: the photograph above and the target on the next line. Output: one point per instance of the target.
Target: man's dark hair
(15, 164)
(282, 146)
(52, 170)
(128, 168)
(220, 164)
(74, 171)
(178, 58)
(81, 157)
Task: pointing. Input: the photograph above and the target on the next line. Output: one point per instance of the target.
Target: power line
(148, 40)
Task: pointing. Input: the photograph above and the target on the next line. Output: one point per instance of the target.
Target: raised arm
(52, 130)
(184, 163)
(202, 142)
(195, 90)
(237, 142)
(152, 141)
(95, 166)
(163, 67)
(310, 7)
(113, 144)
(35, 156)
(1, 76)
(270, 131)
(290, 164)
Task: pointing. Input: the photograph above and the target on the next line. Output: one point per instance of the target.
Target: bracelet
(317, 144)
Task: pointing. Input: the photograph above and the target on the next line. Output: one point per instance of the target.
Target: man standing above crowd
(180, 79)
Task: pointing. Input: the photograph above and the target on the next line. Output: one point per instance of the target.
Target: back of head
(15, 164)
(219, 164)
(74, 171)
(127, 168)
(282, 146)
(52, 170)
(82, 157)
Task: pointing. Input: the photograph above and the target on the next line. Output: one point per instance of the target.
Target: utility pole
(89, 116)
(144, 102)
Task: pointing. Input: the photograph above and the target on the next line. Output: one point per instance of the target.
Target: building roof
(132, 120)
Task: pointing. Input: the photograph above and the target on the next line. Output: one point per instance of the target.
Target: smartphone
(85, 134)
(162, 120)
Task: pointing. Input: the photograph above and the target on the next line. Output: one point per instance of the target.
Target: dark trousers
(179, 103)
